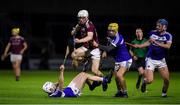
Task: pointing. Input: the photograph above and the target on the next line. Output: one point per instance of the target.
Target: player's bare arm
(132, 54)
(164, 45)
(61, 77)
(146, 44)
(6, 51)
(7, 48)
(88, 38)
(24, 48)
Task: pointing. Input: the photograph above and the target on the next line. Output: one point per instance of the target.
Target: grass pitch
(29, 90)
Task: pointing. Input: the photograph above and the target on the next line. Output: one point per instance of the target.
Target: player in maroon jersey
(86, 32)
(16, 47)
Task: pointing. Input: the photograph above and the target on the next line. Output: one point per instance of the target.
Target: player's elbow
(168, 47)
(25, 46)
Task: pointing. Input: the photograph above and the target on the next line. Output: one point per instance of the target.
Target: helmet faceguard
(82, 17)
(113, 29)
(49, 87)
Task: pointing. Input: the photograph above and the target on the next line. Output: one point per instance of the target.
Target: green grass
(29, 90)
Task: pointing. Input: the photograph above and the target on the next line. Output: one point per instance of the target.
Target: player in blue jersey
(159, 42)
(121, 55)
(75, 87)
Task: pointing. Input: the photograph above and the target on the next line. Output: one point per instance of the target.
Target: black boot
(138, 82)
(143, 87)
(164, 92)
(94, 85)
(17, 78)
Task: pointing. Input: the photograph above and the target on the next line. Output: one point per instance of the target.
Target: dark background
(46, 24)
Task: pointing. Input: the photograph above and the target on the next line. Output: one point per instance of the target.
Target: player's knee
(73, 55)
(149, 80)
(15, 66)
(141, 72)
(120, 75)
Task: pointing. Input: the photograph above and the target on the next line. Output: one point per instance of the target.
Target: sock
(140, 76)
(164, 90)
(17, 78)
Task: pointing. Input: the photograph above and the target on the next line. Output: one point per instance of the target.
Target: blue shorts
(68, 92)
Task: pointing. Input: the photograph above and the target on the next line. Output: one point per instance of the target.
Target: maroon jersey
(89, 27)
(16, 44)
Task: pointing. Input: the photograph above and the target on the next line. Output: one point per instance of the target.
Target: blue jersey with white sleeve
(120, 52)
(156, 52)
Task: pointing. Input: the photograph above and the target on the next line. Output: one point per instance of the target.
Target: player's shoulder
(21, 38)
(118, 38)
(11, 38)
(89, 24)
(168, 34)
(153, 32)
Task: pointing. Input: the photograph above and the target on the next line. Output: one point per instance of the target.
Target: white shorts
(152, 64)
(95, 52)
(15, 57)
(75, 90)
(126, 64)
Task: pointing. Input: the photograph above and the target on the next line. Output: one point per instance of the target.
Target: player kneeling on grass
(17, 46)
(75, 87)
